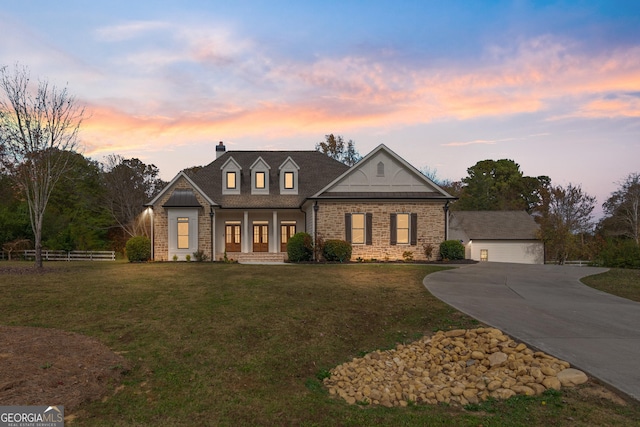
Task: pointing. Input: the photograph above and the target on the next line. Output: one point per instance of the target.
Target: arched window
(380, 169)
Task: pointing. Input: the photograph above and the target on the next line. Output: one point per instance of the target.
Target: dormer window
(260, 177)
(289, 171)
(231, 180)
(260, 180)
(288, 180)
(231, 177)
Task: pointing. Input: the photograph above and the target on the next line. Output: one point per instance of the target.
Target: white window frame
(260, 168)
(289, 168)
(231, 166)
(363, 239)
(289, 178)
(260, 185)
(183, 232)
(235, 180)
(400, 241)
(176, 248)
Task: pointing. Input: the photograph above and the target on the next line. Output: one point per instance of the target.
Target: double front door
(260, 238)
(233, 239)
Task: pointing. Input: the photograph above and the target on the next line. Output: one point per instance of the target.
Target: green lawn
(617, 281)
(229, 344)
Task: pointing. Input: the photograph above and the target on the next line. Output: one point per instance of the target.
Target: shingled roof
(316, 171)
(495, 225)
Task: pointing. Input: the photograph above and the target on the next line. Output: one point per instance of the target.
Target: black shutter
(368, 225)
(414, 229)
(393, 222)
(347, 227)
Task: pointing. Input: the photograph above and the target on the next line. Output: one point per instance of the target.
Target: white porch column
(246, 238)
(273, 246)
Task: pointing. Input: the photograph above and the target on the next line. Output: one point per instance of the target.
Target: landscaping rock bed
(456, 367)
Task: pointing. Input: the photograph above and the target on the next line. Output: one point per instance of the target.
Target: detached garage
(498, 236)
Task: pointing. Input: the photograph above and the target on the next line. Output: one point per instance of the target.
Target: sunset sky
(554, 86)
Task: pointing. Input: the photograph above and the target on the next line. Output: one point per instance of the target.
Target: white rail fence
(63, 255)
(579, 263)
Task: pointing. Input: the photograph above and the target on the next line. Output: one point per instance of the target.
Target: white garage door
(518, 251)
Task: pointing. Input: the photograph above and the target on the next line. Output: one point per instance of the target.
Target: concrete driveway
(548, 308)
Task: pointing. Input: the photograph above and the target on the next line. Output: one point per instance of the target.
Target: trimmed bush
(300, 247)
(138, 249)
(451, 249)
(337, 250)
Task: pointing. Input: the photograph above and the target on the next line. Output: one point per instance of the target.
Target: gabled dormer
(288, 172)
(260, 177)
(231, 177)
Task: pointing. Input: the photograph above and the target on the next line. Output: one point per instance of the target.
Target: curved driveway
(548, 308)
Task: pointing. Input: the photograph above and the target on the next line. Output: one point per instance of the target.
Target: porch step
(261, 258)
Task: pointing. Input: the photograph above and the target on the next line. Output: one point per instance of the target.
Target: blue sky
(554, 86)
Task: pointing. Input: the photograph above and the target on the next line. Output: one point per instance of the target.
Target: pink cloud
(259, 96)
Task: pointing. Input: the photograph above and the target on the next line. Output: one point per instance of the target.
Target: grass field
(229, 344)
(617, 281)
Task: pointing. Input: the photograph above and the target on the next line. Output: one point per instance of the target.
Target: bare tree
(129, 184)
(38, 128)
(431, 173)
(565, 217)
(336, 148)
(623, 208)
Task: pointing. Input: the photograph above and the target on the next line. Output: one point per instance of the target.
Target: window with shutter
(404, 229)
(357, 228)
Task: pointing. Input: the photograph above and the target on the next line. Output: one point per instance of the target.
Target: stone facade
(431, 227)
(161, 226)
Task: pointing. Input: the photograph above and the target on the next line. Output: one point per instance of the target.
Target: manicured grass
(228, 344)
(617, 281)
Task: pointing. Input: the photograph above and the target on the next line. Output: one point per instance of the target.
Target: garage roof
(495, 225)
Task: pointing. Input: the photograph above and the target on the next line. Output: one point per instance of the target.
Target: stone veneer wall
(161, 228)
(431, 226)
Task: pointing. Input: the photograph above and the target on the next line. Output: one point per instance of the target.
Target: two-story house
(248, 204)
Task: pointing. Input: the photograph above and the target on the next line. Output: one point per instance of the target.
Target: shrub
(427, 248)
(451, 249)
(200, 256)
(407, 256)
(337, 250)
(300, 247)
(620, 254)
(138, 249)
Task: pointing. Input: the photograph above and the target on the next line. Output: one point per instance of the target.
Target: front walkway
(548, 308)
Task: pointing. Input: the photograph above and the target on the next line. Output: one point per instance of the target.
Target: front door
(260, 238)
(232, 238)
(286, 232)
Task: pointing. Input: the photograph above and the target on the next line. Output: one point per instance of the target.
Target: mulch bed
(40, 366)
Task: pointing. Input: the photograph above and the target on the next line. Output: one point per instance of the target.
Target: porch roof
(182, 198)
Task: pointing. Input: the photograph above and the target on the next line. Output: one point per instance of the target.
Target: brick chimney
(220, 149)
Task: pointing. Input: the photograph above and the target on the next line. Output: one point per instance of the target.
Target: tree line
(94, 206)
